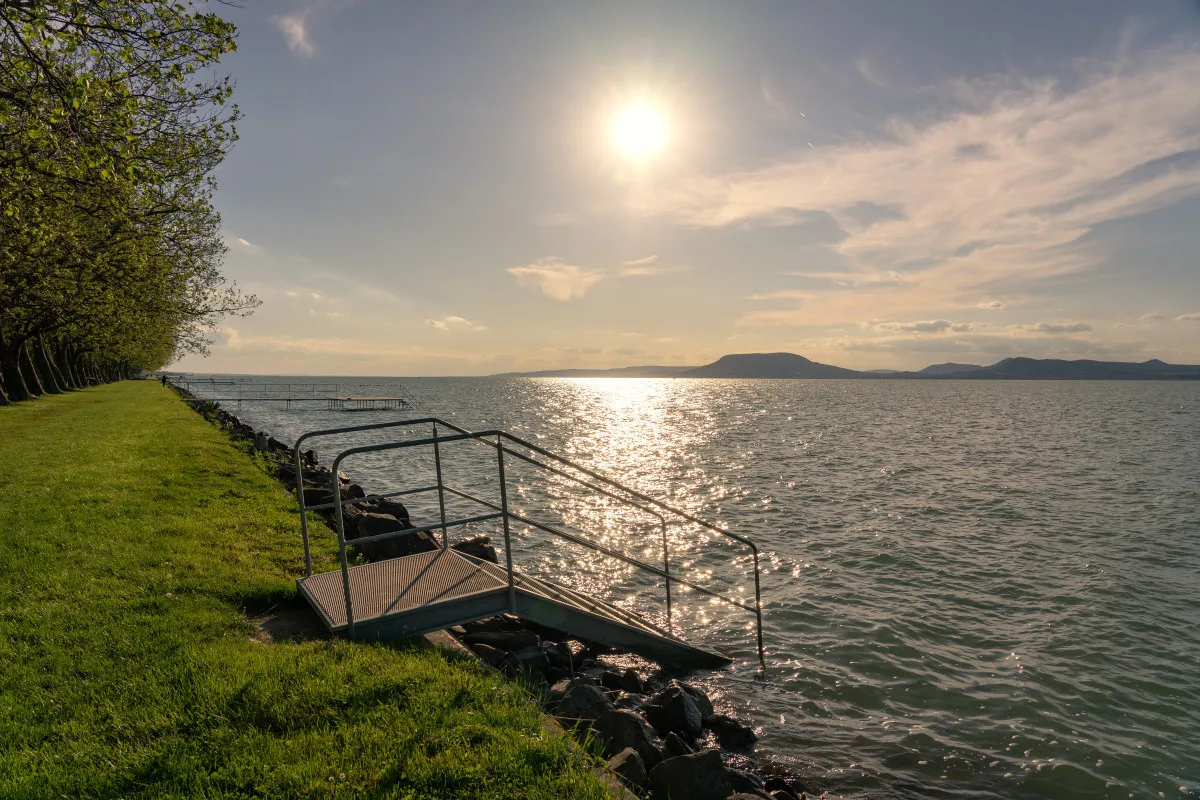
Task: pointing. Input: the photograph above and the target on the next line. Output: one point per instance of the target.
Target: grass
(135, 540)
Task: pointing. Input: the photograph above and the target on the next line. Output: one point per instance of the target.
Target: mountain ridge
(791, 365)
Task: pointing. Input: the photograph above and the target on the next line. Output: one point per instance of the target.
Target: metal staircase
(419, 593)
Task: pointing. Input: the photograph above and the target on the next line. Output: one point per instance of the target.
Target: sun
(639, 131)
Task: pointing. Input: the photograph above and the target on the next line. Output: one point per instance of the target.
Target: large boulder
(621, 728)
(698, 697)
(627, 681)
(582, 702)
(478, 546)
(529, 661)
(700, 776)
(675, 746)
(371, 524)
(740, 781)
(731, 734)
(502, 640)
(627, 765)
(673, 709)
(397, 509)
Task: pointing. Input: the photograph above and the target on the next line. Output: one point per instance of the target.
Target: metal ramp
(428, 591)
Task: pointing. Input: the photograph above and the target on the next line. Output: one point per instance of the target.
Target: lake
(971, 589)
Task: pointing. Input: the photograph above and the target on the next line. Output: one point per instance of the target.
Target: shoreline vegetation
(790, 365)
(154, 644)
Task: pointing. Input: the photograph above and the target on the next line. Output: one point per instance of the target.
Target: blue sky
(434, 189)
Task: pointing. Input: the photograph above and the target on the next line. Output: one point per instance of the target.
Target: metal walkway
(428, 591)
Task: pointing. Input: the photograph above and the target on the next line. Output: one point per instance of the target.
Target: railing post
(303, 512)
(758, 609)
(341, 534)
(437, 462)
(667, 569)
(512, 589)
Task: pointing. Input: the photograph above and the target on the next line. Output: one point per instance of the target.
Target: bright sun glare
(639, 131)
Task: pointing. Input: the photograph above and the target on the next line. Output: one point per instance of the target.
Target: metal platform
(429, 591)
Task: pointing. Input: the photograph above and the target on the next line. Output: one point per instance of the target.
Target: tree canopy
(113, 116)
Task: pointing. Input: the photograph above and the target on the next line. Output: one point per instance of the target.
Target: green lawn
(135, 539)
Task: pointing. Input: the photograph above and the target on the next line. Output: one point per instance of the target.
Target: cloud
(993, 305)
(556, 279)
(455, 323)
(1153, 316)
(640, 262)
(295, 31)
(1057, 327)
(990, 197)
(926, 326)
(1191, 317)
(649, 271)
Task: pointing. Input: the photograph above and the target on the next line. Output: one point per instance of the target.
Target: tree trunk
(14, 381)
(32, 379)
(56, 375)
(4, 401)
(42, 362)
(67, 358)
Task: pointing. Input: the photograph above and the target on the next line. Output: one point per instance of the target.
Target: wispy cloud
(556, 279)
(295, 32)
(1190, 317)
(640, 262)
(1057, 327)
(989, 199)
(926, 326)
(455, 323)
(649, 270)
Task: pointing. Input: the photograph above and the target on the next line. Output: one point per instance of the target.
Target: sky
(456, 188)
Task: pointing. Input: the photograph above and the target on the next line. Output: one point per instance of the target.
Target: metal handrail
(483, 437)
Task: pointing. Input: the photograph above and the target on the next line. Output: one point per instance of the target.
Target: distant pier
(335, 397)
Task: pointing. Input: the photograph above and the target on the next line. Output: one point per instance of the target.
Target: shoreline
(643, 717)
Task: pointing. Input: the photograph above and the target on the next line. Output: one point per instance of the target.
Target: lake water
(971, 589)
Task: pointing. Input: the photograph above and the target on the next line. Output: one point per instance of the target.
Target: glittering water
(971, 589)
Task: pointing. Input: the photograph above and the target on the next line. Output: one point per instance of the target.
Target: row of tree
(112, 120)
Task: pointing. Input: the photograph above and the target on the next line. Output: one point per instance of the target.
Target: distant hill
(769, 365)
(790, 365)
(1052, 369)
(618, 372)
(949, 368)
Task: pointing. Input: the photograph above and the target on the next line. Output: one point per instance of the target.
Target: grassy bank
(135, 542)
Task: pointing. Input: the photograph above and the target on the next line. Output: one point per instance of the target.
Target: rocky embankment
(661, 736)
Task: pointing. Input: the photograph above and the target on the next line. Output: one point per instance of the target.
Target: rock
(627, 765)
(776, 784)
(750, 796)
(619, 729)
(503, 640)
(386, 505)
(527, 661)
(675, 746)
(489, 654)
(560, 654)
(501, 623)
(627, 681)
(277, 446)
(782, 795)
(700, 776)
(354, 492)
(740, 781)
(698, 697)
(731, 734)
(555, 695)
(372, 524)
(310, 457)
(673, 709)
(478, 546)
(582, 701)
(316, 497)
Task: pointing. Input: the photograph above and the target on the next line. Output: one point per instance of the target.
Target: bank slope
(134, 541)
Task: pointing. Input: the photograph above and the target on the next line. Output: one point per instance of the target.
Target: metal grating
(399, 585)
